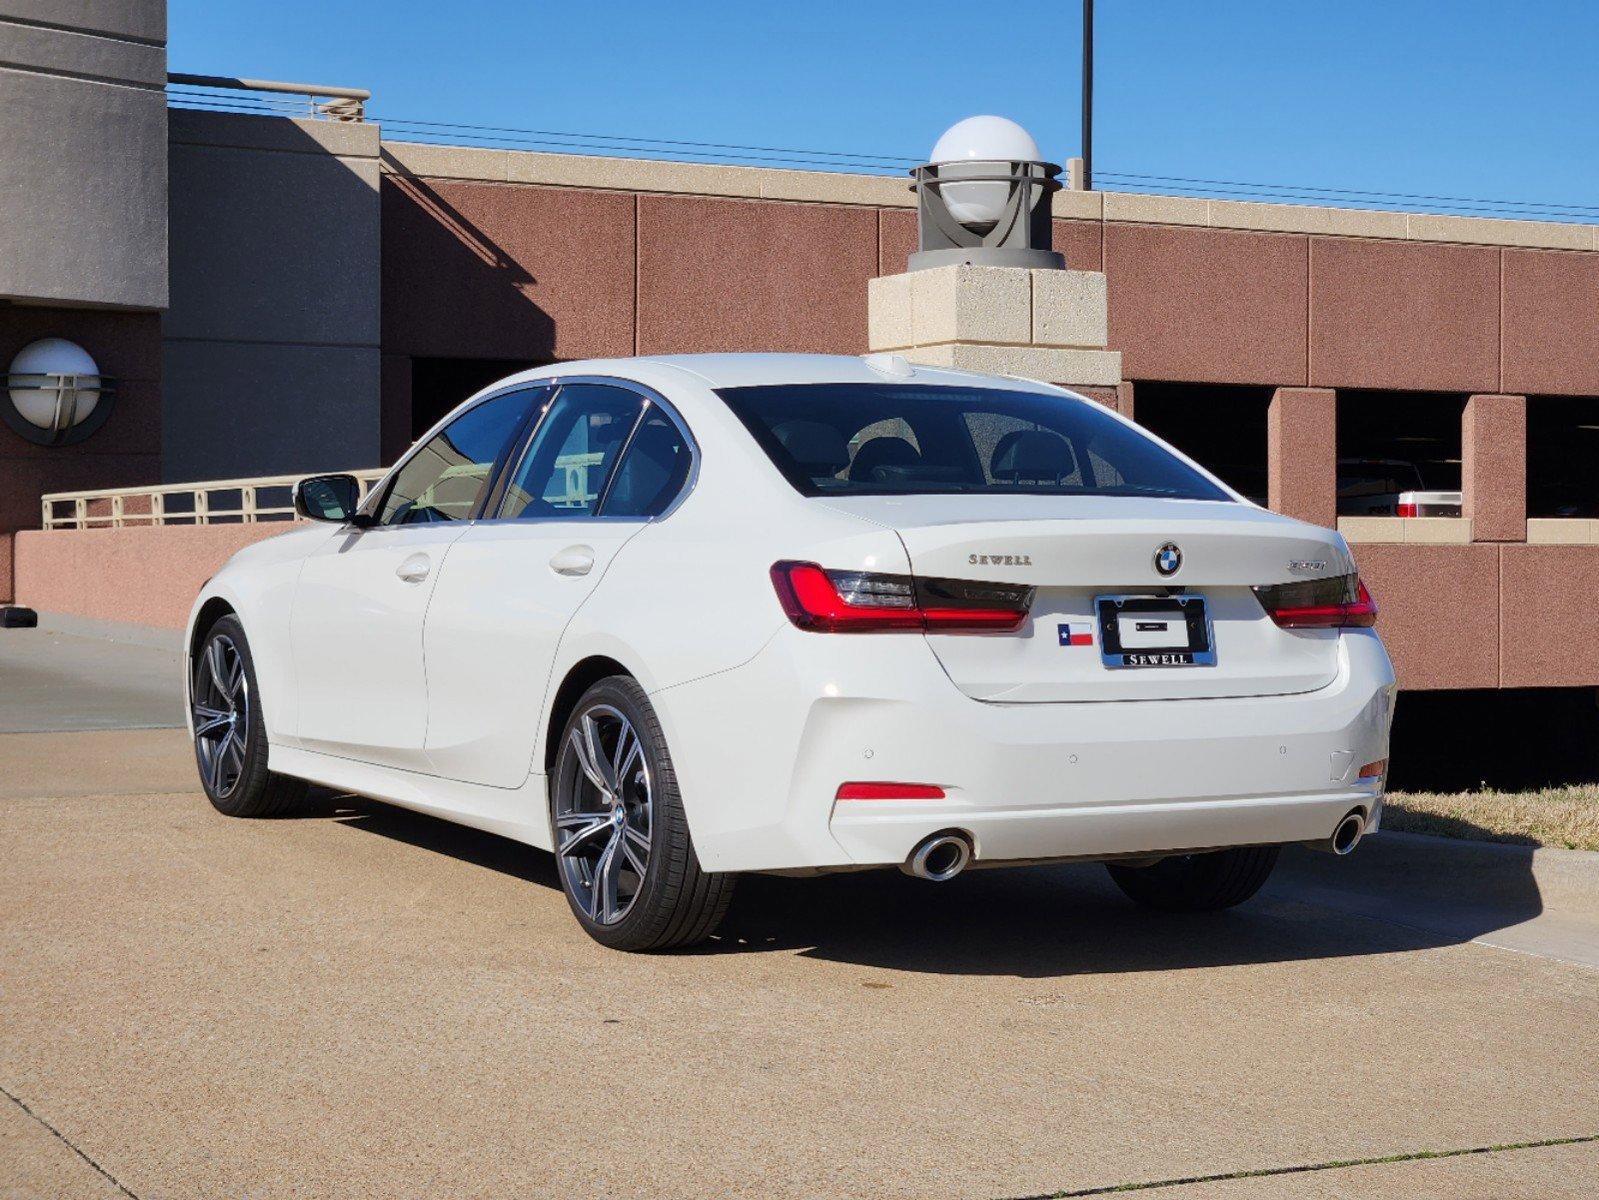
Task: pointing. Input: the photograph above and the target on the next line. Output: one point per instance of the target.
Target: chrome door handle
(574, 560)
(414, 569)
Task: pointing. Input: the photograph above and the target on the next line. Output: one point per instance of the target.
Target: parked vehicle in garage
(679, 618)
(1428, 504)
(1389, 487)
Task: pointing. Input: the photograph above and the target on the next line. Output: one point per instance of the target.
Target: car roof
(757, 369)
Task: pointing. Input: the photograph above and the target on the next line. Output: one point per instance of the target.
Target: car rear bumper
(761, 751)
(1001, 834)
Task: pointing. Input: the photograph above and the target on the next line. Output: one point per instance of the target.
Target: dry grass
(1563, 816)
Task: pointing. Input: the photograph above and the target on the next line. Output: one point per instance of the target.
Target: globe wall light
(984, 198)
(57, 394)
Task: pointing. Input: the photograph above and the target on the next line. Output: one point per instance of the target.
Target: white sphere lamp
(56, 391)
(976, 146)
(983, 199)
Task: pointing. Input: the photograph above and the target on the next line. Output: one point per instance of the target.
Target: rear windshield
(892, 440)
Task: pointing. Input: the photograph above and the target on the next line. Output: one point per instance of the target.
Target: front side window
(446, 477)
(572, 453)
(889, 439)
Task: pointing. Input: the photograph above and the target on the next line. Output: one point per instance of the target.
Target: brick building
(276, 295)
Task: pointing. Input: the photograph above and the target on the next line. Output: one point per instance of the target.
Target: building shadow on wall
(478, 296)
(458, 307)
(1396, 893)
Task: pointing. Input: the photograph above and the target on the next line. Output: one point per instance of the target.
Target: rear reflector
(825, 601)
(1374, 770)
(889, 791)
(1339, 603)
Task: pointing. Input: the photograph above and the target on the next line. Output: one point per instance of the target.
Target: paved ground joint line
(67, 1142)
(1304, 1169)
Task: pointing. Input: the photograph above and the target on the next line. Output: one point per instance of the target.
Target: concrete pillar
(6, 593)
(1493, 468)
(1040, 324)
(1118, 398)
(1105, 395)
(1302, 454)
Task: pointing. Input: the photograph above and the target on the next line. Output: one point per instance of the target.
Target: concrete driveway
(364, 1002)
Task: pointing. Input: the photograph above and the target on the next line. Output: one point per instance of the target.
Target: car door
(355, 631)
(603, 460)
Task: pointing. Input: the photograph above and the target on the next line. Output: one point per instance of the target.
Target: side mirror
(328, 498)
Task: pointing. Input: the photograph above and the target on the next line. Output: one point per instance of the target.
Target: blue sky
(1468, 99)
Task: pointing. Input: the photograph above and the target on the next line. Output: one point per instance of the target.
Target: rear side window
(652, 472)
(572, 452)
(887, 439)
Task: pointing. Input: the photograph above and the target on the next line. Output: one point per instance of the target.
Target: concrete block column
(1493, 468)
(1041, 324)
(1124, 399)
(1302, 454)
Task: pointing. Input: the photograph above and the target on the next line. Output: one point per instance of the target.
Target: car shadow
(1047, 921)
(1396, 893)
(432, 833)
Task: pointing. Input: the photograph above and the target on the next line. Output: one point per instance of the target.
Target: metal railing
(220, 93)
(214, 502)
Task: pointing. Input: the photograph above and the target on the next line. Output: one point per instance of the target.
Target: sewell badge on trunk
(1154, 631)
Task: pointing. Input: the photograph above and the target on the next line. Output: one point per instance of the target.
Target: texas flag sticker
(1077, 634)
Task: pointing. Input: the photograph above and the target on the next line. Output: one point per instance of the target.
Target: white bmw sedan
(673, 619)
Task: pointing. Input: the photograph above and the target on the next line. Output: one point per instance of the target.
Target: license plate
(1154, 631)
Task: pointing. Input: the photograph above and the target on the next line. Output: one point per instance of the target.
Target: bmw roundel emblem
(1168, 559)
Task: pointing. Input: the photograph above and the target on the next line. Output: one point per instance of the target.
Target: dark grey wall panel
(271, 343)
(83, 153)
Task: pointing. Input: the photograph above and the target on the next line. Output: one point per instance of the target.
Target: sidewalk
(71, 674)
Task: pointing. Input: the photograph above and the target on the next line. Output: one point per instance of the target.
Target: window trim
(648, 398)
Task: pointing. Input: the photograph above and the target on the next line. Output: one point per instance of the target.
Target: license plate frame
(1200, 650)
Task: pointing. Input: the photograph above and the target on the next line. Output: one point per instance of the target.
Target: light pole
(1088, 95)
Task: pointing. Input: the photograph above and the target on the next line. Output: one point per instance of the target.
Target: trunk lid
(1074, 550)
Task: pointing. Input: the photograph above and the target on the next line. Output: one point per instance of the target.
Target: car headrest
(1032, 454)
(819, 449)
(882, 452)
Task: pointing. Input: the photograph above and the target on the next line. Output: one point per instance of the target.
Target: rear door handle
(574, 560)
(414, 569)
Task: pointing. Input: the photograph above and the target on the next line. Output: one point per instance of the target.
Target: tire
(1198, 882)
(671, 901)
(224, 699)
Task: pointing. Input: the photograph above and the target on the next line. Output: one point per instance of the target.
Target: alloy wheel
(604, 814)
(221, 707)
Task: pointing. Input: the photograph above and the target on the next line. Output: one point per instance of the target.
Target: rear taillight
(825, 601)
(1405, 510)
(1339, 603)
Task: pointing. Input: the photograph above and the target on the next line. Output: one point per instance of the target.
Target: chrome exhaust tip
(939, 858)
(1345, 837)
